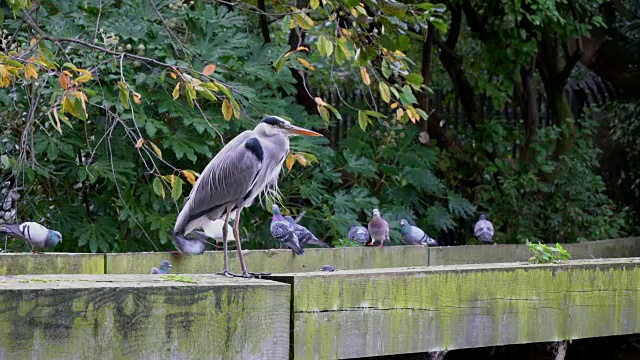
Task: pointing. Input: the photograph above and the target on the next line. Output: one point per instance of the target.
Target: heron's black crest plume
(272, 120)
(254, 146)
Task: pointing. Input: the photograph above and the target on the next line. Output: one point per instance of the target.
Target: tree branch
(264, 23)
(454, 28)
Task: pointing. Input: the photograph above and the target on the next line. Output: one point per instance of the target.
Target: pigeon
(378, 229)
(328, 268)
(283, 231)
(484, 230)
(33, 233)
(305, 237)
(413, 235)
(164, 268)
(359, 233)
(192, 245)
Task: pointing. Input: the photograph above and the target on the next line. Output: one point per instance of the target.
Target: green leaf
(176, 188)
(157, 187)
(124, 95)
(363, 120)
(325, 47)
(385, 93)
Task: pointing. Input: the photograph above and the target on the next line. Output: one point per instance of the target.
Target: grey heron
(247, 166)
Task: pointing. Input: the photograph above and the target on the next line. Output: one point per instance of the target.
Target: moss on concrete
(363, 313)
(51, 263)
(143, 317)
(275, 261)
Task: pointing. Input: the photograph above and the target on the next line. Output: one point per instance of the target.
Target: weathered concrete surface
(274, 261)
(361, 313)
(51, 263)
(482, 254)
(142, 317)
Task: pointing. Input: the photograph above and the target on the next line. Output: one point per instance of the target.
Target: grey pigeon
(192, 245)
(33, 233)
(328, 268)
(164, 268)
(484, 230)
(283, 231)
(413, 235)
(378, 229)
(359, 233)
(305, 237)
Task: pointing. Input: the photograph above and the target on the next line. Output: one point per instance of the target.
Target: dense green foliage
(105, 132)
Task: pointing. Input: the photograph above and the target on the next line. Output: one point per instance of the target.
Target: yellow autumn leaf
(176, 91)
(173, 76)
(399, 113)
(320, 102)
(137, 98)
(58, 126)
(209, 69)
(302, 48)
(156, 149)
(305, 63)
(139, 143)
(86, 76)
(172, 179)
(190, 176)
(365, 76)
(394, 105)
(290, 160)
(30, 72)
(301, 159)
(227, 109)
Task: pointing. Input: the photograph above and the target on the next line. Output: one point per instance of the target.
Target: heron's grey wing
(228, 177)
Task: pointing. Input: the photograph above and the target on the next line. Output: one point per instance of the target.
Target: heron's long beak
(296, 130)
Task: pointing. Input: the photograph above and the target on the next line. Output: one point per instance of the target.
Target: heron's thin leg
(236, 234)
(225, 232)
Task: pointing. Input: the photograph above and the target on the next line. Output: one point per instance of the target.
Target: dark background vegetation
(432, 112)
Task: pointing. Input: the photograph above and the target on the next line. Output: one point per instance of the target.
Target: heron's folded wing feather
(226, 178)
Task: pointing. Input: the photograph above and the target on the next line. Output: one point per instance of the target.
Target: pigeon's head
(483, 216)
(376, 212)
(275, 209)
(165, 265)
(53, 238)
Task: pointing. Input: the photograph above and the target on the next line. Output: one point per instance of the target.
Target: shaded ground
(625, 347)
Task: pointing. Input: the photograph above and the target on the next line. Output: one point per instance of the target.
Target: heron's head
(483, 217)
(274, 125)
(376, 212)
(165, 265)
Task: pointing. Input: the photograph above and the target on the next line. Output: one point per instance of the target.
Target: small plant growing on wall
(544, 254)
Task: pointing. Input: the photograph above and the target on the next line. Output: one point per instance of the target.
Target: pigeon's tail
(485, 236)
(11, 230)
(432, 242)
(295, 247)
(314, 241)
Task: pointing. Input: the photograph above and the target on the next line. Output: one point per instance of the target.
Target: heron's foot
(229, 274)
